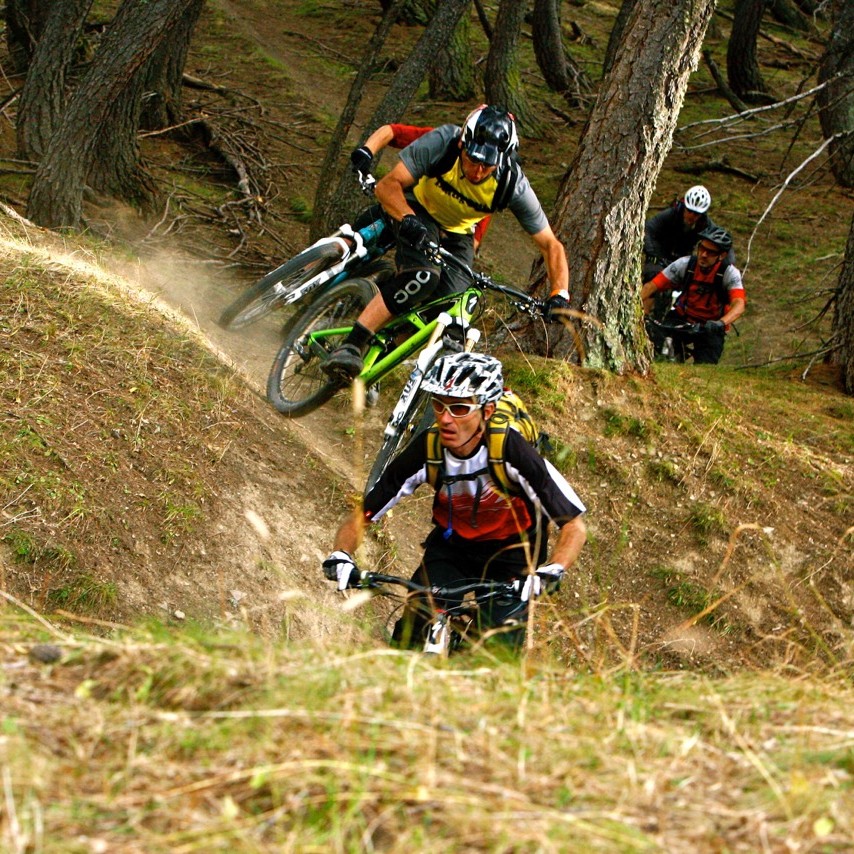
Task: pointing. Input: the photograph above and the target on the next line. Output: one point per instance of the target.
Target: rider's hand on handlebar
(545, 578)
(362, 159)
(715, 326)
(413, 231)
(339, 566)
(555, 302)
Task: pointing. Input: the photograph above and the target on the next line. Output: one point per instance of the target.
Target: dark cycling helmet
(698, 199)
(717, 235)
(466, 375)
(489, 135)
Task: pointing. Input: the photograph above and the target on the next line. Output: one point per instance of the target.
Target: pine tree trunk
(843, 317)
(502, 80)
(43, 95)
(76, 151)
(836, 100)
(451, 76)
(345, 202)
(25, 22)
(742, 64)
(161, 106)
(604, 196)
(561, 73)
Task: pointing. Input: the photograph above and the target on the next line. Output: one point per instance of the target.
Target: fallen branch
(723, 86)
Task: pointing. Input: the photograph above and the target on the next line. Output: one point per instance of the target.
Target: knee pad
(409, 288)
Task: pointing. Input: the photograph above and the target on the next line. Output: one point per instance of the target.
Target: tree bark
(604, 196)
(25, 22)
(616, 36)
(836, 100)
(452, 76)
(742, 65)
(843, 317)
(161, 106)
(502, 79)
(43, 95)
(560, 71)
(133, 36)
(343, 204)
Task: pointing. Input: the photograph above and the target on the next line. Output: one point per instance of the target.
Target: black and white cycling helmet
(489, 135)
(717, 235)
(698, 199)
(466, 375)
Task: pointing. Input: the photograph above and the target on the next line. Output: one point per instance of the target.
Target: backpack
(507, 179)
(510, 414)
(717, 284)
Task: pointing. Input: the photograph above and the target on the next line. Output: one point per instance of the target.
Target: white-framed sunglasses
(457, 410)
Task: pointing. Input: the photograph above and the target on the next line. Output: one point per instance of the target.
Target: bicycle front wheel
(296, 384)
(418, 417)
(261, 298)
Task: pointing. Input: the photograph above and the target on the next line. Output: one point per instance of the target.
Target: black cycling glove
(413, 231)
(555, 301)
(362, 160)
(716, 327)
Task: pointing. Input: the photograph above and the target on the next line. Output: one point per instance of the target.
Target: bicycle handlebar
(483, 589)
(687, 327)
(521, 300)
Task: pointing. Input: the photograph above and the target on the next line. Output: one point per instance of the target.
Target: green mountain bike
(296, 384)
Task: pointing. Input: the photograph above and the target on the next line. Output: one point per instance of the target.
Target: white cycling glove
(339, 567)
(545, 577)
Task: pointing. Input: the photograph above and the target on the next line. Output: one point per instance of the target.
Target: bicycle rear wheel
(261, 298)
(296, 384)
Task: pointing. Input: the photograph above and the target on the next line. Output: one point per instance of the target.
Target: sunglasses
(457, 410)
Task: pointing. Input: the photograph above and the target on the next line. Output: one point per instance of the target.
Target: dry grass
(156, 741)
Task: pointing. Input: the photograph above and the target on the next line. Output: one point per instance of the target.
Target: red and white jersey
(467, 500)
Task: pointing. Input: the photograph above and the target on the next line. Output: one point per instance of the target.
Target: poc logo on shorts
(412, 287)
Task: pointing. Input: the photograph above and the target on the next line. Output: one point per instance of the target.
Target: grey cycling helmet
(489, 135)
(466, 375)
(717, 235)
(698, 199)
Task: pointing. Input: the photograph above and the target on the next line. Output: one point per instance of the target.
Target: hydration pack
(510, 414)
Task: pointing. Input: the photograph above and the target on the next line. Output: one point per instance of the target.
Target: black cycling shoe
(345, 362)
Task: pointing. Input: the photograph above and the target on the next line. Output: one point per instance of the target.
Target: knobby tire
(419, 416)
(260, 299)
(296, 384)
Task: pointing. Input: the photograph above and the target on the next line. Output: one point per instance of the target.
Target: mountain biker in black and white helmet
(443, 185)
(711, 295)
(480, 530)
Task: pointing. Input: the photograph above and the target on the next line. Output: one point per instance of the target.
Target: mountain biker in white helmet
(443, 185)
(673, 233)
(480, 531)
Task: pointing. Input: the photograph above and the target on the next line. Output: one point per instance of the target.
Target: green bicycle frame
(461, 307)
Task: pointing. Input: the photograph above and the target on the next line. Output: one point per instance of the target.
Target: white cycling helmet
(698, 199)
(466, 375)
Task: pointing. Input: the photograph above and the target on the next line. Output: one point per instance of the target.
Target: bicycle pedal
(372, 396)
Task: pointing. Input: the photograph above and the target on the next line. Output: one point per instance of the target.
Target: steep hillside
(144, 475)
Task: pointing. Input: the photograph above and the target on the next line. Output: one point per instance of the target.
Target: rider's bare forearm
(390, 192)
(349, 535)
(554, 256)
(570, 541)
(735, 311)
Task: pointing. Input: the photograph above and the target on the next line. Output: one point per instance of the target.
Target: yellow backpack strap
(496, 437)
(434, 456)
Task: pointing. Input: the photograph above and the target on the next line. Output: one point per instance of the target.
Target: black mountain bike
(672, 342)
(448, 629)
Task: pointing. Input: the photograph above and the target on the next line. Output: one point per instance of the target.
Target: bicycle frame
(356, 245)
(444, 635)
